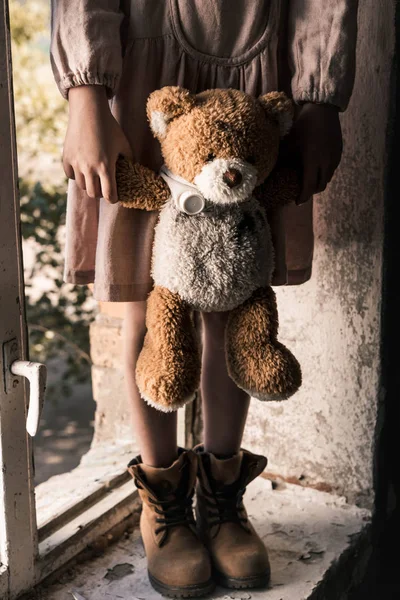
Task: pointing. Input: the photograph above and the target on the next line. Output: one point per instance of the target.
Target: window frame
(18, 531)
(28, 555)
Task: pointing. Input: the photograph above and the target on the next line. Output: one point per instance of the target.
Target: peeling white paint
(332, 323)
(306, 532)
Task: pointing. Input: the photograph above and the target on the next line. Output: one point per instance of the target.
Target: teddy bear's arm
(281, 188)
(140, 187)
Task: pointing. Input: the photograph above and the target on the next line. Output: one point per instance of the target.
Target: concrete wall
(112, 419)
(323, 436)
(326, 432)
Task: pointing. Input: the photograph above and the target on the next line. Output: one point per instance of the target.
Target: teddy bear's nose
(232, 177)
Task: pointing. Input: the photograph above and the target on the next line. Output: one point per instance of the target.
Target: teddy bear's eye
(251, 159)
(210, 157)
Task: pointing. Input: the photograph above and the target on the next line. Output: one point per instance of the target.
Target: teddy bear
(212, 247)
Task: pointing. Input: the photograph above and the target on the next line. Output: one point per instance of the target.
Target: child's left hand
(316, 142)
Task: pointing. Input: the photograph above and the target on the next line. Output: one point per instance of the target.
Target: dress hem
(138, 292)
(112, 292)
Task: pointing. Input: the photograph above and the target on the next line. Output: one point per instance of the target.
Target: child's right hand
(93, 142)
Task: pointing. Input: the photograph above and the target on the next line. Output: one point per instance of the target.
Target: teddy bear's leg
(257, 362)
(168, 367)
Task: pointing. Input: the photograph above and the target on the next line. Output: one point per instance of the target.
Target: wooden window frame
(28, 554)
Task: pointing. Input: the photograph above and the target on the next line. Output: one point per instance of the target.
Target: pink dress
(305, 47)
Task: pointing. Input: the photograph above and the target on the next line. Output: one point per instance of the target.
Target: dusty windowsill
(100, 465)
(315, 539)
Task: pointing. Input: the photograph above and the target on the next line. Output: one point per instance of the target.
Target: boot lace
(177, 511)
(225, 505)
(174, 511)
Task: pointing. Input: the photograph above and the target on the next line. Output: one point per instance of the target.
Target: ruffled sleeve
(86, 43)
(322, 45)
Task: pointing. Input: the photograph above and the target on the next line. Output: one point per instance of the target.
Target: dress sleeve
(322, 48)
(86, 43)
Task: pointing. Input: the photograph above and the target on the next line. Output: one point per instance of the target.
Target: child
(107, 56)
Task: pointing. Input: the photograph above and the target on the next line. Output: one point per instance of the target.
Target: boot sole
(197, 590)
(242, 583)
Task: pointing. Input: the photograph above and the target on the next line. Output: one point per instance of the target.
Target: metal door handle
(36, 373)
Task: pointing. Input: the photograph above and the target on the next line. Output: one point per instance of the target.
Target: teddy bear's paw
(269, 372)
(167, 384)
(168, 367)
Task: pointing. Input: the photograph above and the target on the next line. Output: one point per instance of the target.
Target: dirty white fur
(216, 259)
(158, 123)
(167, 409)
(211, 184)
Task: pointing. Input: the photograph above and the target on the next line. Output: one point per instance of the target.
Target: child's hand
(316, 142)
(93, 142)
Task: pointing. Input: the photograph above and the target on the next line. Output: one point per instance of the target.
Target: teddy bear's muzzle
(232, 178)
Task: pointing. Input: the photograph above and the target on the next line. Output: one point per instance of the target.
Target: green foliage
(40, 110)
(58, 314)
(29, 20)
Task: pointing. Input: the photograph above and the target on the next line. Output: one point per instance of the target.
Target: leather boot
(178, 563)
(239, 557)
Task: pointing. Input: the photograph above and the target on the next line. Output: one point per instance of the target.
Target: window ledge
(315, 539)
(74, 510)
(99, 467)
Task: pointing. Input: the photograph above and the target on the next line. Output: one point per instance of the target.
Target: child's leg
(156, 431)
(225, 406)
(239, 557)
(178, 564)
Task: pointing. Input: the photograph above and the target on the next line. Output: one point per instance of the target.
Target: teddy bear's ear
(166, 104)
(279, 107)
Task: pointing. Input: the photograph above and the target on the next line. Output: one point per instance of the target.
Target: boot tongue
(164, 482)
(226, 470)
(244, 466)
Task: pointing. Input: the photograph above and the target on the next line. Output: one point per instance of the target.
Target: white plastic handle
(36, 373)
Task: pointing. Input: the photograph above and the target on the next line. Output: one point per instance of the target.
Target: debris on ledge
(316, 542)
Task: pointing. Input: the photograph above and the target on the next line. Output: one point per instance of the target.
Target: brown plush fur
(168, 369)
(225, 123)
(282, 187)
(192, 130)
(277, 104)
(257, 362)
(172, 101)
(140, 187)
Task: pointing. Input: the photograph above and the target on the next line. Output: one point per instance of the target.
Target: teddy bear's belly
(216, 259)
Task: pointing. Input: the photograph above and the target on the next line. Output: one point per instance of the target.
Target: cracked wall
(326, 432)
(324, 436)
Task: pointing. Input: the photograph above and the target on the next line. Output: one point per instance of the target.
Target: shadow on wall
(66, 429)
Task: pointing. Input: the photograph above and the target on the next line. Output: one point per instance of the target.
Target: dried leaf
(119, 571)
